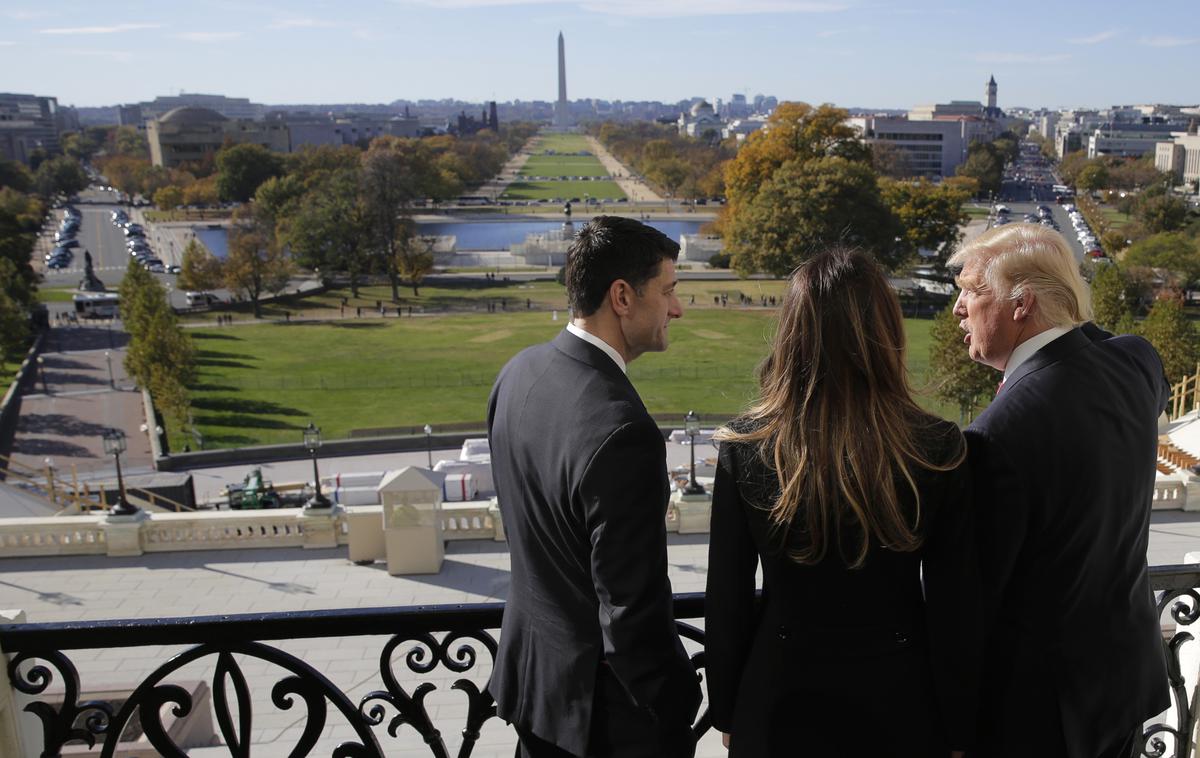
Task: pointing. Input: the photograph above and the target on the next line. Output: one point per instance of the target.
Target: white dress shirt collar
(590, 338)
(1026, 349)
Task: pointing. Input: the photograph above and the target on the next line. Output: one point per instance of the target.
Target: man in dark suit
(589, 661)
(1063, 465)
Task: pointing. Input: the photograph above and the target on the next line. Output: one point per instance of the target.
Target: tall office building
(562, 115)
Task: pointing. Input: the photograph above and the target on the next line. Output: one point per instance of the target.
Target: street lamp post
(114, 445)
(312, 441)
(41, 363)
(691, 424)
(429, 445)
(108, 359)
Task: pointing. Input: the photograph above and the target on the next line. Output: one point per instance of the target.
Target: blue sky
(878, 54)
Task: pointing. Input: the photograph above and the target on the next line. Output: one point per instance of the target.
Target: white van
(201, 299)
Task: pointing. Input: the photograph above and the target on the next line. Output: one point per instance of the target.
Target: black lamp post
(41, 364)
(429, 445)
(312, 441)
(114, 445)
(691, 424)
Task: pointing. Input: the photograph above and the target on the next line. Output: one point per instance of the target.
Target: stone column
(497, 520)
(319, 526)
(694, 511)
(11, 742)
(123, 534)
(412, 521)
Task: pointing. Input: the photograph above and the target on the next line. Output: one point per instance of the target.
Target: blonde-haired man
(1063, 464)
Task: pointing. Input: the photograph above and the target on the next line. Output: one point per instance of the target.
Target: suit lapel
(1066, 345)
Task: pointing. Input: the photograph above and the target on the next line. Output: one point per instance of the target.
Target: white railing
(217, 530)
(471, 520)
(158, 532)
(1169, 494)
(76, 535)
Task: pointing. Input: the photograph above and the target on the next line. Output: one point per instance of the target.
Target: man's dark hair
(609, 248)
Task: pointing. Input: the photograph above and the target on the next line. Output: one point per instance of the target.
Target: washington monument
(562, 116)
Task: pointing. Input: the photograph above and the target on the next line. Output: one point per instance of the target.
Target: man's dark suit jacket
(580, 472)
(1062, 466)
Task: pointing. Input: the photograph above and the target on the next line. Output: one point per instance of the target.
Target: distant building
(701, 120)
(741, 128)
(1180, 156)
(1127, 140)
(190, 134)
(131, 115)
(28, 123)
(229, 107)
(304, 129)
(929, 148)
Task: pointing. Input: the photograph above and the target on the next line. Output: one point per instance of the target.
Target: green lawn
(561, 143)
(262, 383)
(564, 190)
(563, 165)
(56, 295)
(1115, 218)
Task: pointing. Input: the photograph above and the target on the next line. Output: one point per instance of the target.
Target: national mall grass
(263, 383)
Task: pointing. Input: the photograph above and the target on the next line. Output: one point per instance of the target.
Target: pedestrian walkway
(81, 390)
(635, 189)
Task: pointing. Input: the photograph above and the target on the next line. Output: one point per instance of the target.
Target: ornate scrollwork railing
(420, 640)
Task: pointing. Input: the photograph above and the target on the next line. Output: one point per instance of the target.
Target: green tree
(169, 198)
(61, 175)
(396, 173)
(199, 269)
(159, 356)
(414, 259)
(1173, 251)
(806, 206)
(956, 378)
(1071, 164)
(14, 330)
(1093, 176)
(930, 215)
(80, 145)
(1109, 304)
(329, 226)
(242, 168)
(984, 164)
(257, 263)
(1173, 336)
(15, 176)
(1161, 213)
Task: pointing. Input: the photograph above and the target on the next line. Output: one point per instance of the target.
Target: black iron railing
(420, 639)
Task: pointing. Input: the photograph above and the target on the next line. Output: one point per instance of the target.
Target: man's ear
(620, 297)
(1024, 309)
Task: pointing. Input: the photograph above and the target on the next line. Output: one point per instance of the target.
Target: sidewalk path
(635, 189)
(64, 416)
(510, 172)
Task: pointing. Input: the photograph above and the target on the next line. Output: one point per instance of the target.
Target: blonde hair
(835, 419)
(1021, 259)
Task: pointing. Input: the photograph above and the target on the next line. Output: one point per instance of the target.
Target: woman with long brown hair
(851, 497)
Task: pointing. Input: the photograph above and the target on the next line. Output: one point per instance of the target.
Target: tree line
(26, 195)
(340, 209)
(677, 165)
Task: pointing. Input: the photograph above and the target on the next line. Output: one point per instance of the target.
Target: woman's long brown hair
(835, 419)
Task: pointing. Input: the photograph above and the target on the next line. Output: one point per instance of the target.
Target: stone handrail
(73, 535)
(159, 532)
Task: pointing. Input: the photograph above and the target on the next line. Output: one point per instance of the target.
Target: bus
(96, 304)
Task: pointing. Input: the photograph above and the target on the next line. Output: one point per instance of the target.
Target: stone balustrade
(360, 526)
